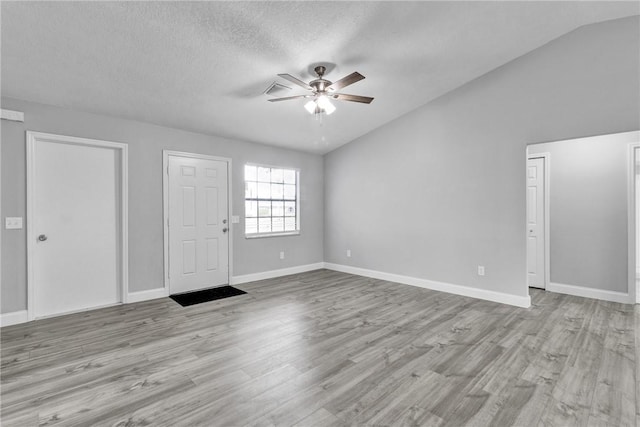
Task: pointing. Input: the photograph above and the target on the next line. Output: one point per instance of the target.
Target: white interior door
(198, 224)
(536, 267)
(75, 226)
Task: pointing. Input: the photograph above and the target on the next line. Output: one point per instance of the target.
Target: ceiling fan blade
(354, 98)
(296, 81)
(346, 81)
(289, 97)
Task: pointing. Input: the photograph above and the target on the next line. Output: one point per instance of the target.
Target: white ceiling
(203, 66)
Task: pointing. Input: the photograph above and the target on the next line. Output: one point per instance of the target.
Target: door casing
(633, 205)
(166, 154)
(123, 249)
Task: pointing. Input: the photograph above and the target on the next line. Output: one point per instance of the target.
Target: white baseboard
(146, 295)
(467, 291)
(236, 280)
(581, 291)
(13, 318)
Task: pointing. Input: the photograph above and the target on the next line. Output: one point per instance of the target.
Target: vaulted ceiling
(203, 66)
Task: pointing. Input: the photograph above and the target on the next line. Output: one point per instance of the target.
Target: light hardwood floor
(327, 348)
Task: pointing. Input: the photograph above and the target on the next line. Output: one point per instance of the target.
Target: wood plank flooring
(325, 348)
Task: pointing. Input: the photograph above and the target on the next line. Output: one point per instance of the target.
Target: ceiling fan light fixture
(328, 108)
(311, 107)
(325, 104)
(320, 105)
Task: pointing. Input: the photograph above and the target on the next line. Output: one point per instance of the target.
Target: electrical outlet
(281, 255)
(13, 223)
(348, 253)
(481, 270)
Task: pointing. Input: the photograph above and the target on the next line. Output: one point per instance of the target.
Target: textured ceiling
(203, 66)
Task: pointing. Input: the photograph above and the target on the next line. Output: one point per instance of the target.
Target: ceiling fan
(323, 89)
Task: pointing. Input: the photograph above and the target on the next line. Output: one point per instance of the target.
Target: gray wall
(146, 143)
(588, 212)
(441, 190)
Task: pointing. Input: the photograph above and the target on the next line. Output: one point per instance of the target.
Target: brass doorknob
(42, 237)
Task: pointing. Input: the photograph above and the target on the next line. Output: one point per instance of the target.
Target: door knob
(42, 237)
(224, 230)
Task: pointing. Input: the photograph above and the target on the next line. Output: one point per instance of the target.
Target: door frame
(632, 203)
(546, 156)
(123, 217)
(166, 154)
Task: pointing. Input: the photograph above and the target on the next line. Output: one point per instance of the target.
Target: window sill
(278, 234)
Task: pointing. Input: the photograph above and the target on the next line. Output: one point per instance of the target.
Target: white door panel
(535, 223)
(198, 226)
(75, 208)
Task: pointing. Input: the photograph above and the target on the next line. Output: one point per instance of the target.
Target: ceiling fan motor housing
(319, 85)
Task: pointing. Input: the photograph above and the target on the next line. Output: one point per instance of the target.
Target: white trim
(547, 235)
(236, 280)
(518, 301)
(32, 138)
(80, 310)
(165, 206)
(274, 234)
(581, 291)
(13, 318)
(633, 283)
(22, 316)
(147, 295)
(124, 220)
(14, 116)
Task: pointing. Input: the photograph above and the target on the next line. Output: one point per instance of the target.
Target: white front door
(74, 198)
(536, 267)
(198, 224)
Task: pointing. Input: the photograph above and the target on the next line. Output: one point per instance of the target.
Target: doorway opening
(591, 216)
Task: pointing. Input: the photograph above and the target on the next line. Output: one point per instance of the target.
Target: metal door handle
(42, 237)
(224, 230)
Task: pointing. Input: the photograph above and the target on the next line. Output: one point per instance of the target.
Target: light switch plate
(235, 219)
(13, 223)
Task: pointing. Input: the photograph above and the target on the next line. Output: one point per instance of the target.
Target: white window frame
(274, 233)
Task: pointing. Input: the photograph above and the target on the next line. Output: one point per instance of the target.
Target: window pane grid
(271, 200)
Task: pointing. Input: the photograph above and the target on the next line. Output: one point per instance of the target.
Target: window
(271, 201)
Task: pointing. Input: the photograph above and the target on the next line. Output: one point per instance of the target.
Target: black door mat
(197, 297)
